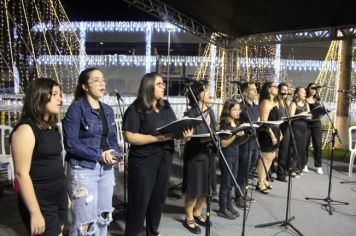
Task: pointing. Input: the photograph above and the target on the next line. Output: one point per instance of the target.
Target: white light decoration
(277, 63)
(148, 46)
(82, 52)
(213, 61)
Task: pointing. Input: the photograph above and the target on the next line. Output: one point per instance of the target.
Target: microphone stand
(215, 142)
(328, 198)
(122, 208)
(254, 134)
(288, 219)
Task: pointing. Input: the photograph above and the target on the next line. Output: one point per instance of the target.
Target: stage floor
(310, 217)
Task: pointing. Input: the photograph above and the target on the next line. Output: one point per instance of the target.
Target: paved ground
(310, 217)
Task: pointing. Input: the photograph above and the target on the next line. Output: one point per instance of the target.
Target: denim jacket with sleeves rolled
(82, 130)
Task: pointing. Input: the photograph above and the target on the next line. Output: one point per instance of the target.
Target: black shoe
(195, 230)
(250, 199)
(282, 179)
(240, 203)
(200, 220)
(233, 211)
(227, 215)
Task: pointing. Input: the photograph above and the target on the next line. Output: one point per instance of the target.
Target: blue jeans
(91, 194)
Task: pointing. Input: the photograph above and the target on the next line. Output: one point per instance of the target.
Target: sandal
(268, 186)
(200, 220)
(262, 188)
(195, 230)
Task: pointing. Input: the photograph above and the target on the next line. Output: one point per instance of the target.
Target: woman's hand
(274, 140)
(37, 224)
(187, 134)
(108, 158)
(240, 133)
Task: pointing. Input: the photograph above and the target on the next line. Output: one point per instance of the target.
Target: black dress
(196, 158)
(264, 138)
(49, 181)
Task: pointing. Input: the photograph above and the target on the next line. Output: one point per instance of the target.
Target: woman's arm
(142, 139)
(226, 142)
(292, 108)
(22, 145)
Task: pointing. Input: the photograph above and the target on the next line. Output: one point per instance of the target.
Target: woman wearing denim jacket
(89, 135)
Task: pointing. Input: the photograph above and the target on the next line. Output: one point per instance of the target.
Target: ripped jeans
(91, 194)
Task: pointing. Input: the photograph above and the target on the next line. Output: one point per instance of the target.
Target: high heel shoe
(268, 186)
(262, 188)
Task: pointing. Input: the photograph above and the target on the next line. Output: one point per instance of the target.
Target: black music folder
(319, 111)
(176, 127)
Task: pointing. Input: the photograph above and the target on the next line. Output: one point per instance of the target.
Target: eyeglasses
(313, 88)
(97, 82)
(161, 84)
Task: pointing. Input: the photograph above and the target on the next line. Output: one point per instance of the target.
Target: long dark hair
(83, 79)
(265, 94)
(197, 88)
(37, 95)
(308, 91)
(146, 93)
(225, 113)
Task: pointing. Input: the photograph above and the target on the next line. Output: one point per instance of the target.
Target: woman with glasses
(90, 140)
(37, 153)
(269, 139)
(315, 128)
(150, 155)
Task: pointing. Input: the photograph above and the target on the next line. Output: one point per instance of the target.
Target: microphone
(118, 96)
(343, 91)
(189, 80)
(282, 94)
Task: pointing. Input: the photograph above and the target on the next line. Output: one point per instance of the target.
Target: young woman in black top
(36, 151)
(229, 120)
(315, 128)
(150, 155)
(300, 126)
(197, 152)
(269, 139)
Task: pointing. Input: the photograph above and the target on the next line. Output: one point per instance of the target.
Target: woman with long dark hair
(150, 155)
(36, 151)
(90, 139)
(197, 153)
(300, 130)
(284, 148)
(229, 120)
(269, 139)
(315, 128)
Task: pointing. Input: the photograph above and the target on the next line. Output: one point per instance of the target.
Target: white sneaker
(319, 171)
(305, 170)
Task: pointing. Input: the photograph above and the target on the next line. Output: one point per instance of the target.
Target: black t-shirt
(103, 144)
(147, 123)
(233, 148)
(47, 162)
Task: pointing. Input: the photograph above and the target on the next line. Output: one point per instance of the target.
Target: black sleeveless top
(47, 163)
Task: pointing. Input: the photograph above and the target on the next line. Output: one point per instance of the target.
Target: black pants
(246, 156)
(283, 151)
(53, 201)
(316, 135)
(225, 199)
(147, 190)
(301, 134)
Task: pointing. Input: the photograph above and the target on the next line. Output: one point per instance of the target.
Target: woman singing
(315, 128)
(269, 139)
(229, 120)
(300, 126)
(150, 155)
(197, 153)
(36, 150)
(89, 135)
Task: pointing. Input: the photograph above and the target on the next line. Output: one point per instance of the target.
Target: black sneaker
(282, 178)
(226, 214)
(240, 203)
(250, 199)
(233, 211)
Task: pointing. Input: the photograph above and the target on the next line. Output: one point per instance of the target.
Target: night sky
(104, 10)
